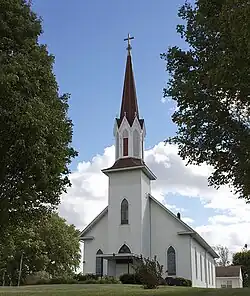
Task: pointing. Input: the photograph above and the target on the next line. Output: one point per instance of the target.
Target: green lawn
(116, 290)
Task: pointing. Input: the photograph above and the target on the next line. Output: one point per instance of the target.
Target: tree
(49, 245)
(149, 272)
(223, 253)
(35, 131)
(210, 84)
(61, 245)
(243, 259)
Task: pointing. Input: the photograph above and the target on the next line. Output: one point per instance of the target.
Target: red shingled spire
(129, 106)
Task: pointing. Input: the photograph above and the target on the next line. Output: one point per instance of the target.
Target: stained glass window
(171, 261)
(124, 212)
(99, 264)
(124, 249)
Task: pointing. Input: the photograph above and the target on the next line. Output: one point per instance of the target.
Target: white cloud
(188, 220)
(228, 226)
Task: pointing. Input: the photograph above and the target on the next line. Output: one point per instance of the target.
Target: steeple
(129, 106)
(129, 129)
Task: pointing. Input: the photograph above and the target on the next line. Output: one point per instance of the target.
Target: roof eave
(201, 241)
(144, 168)
(86, 238)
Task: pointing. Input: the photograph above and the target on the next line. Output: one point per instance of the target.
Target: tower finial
(129, 45)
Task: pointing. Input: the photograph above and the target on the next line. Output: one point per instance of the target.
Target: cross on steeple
(129, 45)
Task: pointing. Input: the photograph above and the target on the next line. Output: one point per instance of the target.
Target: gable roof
(189, 230)
(227, 271)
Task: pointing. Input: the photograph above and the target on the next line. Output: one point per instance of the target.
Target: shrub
(37, 278)
(130, 279)
(84, 277)
(149, 272)
(62, 280)
(162, 282)
(109, 280)
(104, 280)
(178, 281)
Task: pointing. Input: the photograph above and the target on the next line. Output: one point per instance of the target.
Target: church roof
(130, 163)
(127, 162)
(227, 271)
(129, 106)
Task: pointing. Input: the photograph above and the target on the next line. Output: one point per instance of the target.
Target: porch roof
(118, 256)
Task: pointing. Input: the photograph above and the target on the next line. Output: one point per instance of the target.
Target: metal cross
(129, 45)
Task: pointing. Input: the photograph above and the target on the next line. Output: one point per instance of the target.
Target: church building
(134, 223)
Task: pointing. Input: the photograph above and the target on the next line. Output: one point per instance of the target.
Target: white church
(134, 223)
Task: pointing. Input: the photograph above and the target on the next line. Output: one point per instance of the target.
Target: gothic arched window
(99, 264)
(124, 212)
(136, 143)
(171, 261)
(125, 143)
(124, 249)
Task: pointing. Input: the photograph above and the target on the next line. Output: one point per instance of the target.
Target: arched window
(124, 212)
(99, 264)
(136, 143)
(125, 143)
(171, 261)
(124, 249)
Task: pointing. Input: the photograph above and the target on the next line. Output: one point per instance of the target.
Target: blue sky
(86, 37)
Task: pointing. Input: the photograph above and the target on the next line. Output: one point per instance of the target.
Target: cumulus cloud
(89, 195)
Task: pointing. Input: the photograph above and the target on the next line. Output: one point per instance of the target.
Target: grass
(116, 290)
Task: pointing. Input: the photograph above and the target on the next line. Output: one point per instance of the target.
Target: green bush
(110, 280)
(130, 279)
(42, 278)
(178, 281)
(104, 280)
(37, 278)
(84, 277)
(149, 272)
(77, 279)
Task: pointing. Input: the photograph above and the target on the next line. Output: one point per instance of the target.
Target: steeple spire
(129, 106)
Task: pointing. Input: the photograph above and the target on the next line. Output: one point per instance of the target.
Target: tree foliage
(50, 245)
(243, 259)
(209, 82)
(149, 271)
(35, 131)
(223, 253)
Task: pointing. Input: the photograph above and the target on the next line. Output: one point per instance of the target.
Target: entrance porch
(118, 264)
